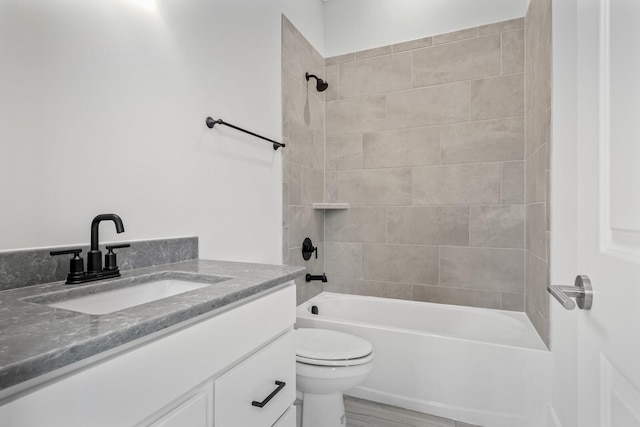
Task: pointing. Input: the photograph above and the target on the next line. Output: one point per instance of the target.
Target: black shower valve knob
(308, 249)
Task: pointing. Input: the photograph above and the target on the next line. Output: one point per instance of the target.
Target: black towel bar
(211, 123)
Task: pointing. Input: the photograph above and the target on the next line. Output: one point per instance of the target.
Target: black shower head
(321, 85)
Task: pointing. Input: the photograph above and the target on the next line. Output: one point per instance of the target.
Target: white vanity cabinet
(194, 410)
(265, 378)
(207, 373)
(288, 419)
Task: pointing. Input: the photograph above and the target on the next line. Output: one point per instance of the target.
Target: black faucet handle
(66, 252)
(110, 261)
(112, 247)
(76, 264)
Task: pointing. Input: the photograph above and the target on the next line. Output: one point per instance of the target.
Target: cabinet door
(288, 419)
(254, 380)
(193, 409)
(192, 413)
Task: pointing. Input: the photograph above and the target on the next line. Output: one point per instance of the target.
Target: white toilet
(328, 363)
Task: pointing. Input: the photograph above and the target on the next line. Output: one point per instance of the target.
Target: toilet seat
(335, 363)
(322, 347)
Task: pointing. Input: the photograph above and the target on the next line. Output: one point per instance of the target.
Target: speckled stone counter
(36, 339)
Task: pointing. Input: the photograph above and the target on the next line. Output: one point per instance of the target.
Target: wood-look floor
(363, 413)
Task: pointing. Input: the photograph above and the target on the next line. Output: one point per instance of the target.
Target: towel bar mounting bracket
(582, 291)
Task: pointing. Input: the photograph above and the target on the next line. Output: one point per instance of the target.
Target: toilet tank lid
(324, 344)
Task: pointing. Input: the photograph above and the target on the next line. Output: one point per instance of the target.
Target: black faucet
(94, 257)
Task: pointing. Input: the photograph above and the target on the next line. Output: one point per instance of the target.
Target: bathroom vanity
(220, 355)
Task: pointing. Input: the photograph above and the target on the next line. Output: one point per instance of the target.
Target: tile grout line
(439, 246)
(436, 85)
(353, 54)
(469, 102)
(501, 183)
(439, 265)
(501, 55)
(469, 224)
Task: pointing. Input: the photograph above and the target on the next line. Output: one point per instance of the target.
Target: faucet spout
(95, 224)
(94, 257)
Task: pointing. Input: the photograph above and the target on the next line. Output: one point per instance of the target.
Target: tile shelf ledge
(331, 206)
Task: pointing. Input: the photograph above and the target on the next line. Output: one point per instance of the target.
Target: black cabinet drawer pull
(280, 385)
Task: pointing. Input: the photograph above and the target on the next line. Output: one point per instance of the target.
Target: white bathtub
(480, 366)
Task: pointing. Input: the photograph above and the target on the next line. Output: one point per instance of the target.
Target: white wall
(564, 209)
(102, 105)
(353, 25)
(102, 108)
(308, 18)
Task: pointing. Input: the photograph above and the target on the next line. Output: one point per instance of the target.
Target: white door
(608, 246)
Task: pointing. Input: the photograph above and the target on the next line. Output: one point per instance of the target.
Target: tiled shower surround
(538, 165)
(303, 158)
(425, 140)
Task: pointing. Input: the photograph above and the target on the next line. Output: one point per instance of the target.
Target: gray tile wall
(303, 159)
(537, 162)
(425, 140)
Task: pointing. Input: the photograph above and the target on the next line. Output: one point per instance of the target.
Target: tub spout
(310, 277)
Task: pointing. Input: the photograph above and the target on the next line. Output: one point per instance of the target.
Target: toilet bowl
(327, 364)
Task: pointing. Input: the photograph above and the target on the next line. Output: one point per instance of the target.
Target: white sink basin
(119, 299)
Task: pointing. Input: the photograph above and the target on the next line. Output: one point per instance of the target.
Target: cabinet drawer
(254, 380)
(193, 413)
(288, 419)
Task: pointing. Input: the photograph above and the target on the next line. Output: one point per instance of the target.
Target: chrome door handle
(581, 290)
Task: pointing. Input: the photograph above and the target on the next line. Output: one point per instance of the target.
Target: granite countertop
(36, 339)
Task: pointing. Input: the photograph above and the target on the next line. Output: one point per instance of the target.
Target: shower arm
(321, 85)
